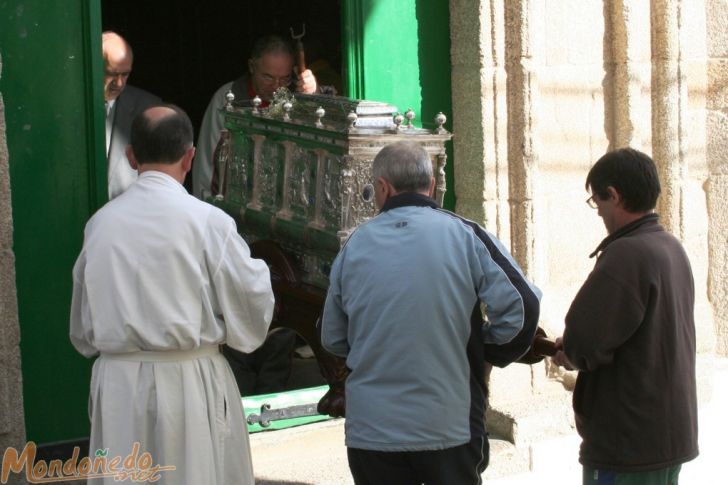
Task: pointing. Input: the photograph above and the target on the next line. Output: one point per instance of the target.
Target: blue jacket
(403, 309)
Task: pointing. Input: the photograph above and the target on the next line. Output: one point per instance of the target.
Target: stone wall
(716, 182)
(542, 90)
(12, 428)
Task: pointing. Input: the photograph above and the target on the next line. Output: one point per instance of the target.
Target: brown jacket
(630, 331)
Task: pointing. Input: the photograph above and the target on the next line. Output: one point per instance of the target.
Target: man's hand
(306, 82)
(560, 357)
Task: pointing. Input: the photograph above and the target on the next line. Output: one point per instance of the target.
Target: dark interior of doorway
(184, 50)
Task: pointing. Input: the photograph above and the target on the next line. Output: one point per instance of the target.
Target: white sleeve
(243, 289)
(81, 330)
(212, 125)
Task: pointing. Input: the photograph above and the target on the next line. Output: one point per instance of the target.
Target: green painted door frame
(52, 87)
(398, 51)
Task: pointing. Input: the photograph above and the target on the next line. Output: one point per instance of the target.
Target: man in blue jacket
(403, 308)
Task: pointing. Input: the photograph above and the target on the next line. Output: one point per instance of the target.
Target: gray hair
(405, 165)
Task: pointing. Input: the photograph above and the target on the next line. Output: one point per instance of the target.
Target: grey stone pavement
(314, 454)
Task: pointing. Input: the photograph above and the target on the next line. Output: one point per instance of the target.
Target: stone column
(12, 425)
(717, 155)
(669, 98)
(479, 113)
(627, 76)
(522, 92)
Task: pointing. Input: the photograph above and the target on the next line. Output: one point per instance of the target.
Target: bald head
(118, 59)
(161, 135)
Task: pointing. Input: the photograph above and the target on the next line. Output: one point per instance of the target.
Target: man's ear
(432, 188)
(612, 194)
(383, 187)
(187, 159)
(132, 159)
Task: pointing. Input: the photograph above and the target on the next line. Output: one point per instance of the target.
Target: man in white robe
(162, 281)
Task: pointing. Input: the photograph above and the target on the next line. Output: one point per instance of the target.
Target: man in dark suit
(123, 103)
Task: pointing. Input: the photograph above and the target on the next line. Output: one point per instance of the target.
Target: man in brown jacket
(631, 335)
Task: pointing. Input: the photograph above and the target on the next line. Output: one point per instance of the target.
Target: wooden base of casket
(299, 307)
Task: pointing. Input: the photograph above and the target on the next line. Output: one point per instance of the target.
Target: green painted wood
(433, 34)
(309, 395)
(352, 34)
(398, 51)
(52, 86)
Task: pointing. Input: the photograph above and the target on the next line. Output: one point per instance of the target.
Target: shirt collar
(624, 230)
(409, 199)
(109, 105)
(163, 178)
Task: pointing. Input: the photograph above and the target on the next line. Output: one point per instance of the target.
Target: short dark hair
(632, 173)
(164, 140)
(271, 44)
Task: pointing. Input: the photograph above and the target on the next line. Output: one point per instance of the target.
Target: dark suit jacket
(130, 102)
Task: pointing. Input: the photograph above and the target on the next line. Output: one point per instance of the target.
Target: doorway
(184, 50)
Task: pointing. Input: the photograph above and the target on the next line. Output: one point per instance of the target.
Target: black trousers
(460, 465)
(268, 368)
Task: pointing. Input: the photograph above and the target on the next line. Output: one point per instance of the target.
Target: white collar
(110, 105)
(162, 177)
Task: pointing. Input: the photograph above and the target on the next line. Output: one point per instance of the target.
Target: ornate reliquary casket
(299, 174)
(297, 178)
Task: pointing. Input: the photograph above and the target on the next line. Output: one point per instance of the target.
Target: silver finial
(398, 119)
(320, 112)
(256, 104)
(440, 120)
(287, 107)
(410, 115)
(351, 118)
(230, 97)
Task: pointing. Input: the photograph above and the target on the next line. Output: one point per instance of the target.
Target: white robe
(161, 281)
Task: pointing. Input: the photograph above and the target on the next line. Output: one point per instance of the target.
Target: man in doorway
(122, 103)
(162, 280)
(403, 308)
(270, 67)
(631, 335)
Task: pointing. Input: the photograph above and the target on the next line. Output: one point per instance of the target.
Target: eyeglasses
(590, 202)
(282, 81)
